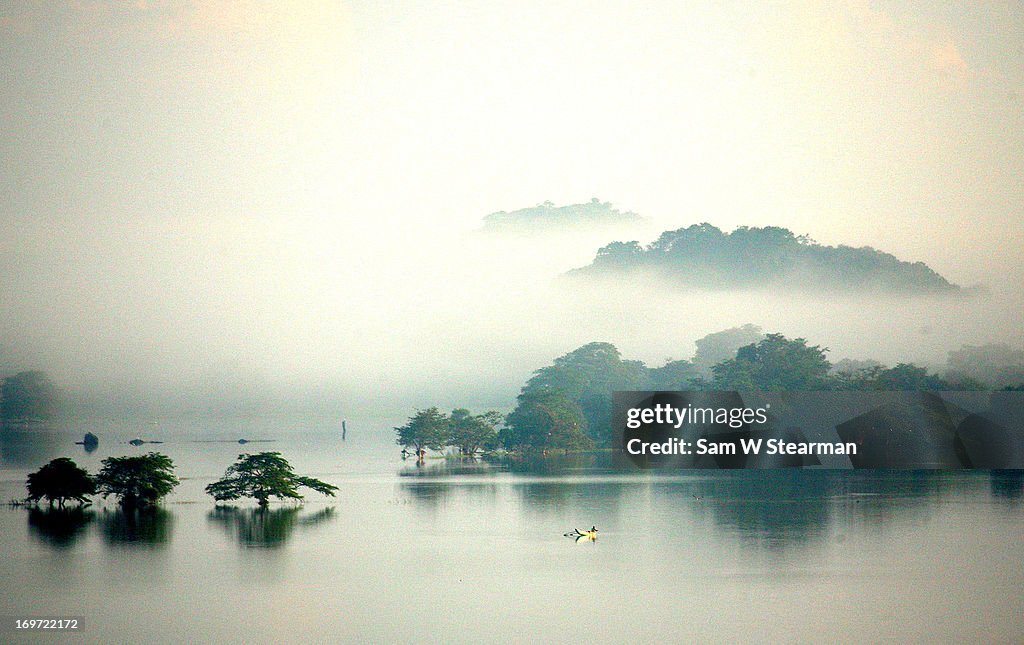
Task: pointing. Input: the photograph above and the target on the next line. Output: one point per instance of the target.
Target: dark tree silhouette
(60, 480)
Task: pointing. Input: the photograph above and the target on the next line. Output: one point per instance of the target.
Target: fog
(258, 208)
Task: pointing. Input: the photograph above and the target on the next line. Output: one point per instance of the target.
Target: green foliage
(262, 476)
(587, 377)
(702, 255)
(428, 428)
(673, 375)
(546, 420)
(470, 433)
(723, 345)
(775, 363)
(27, 396)
(905, 376)
(137, 481)
(60, 480)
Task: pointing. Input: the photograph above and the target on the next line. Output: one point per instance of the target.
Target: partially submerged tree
(262, 476)
(471, 432)
(428, 428)
(137, 481)
(60, 480)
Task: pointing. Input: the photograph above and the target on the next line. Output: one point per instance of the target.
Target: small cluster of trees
(434, 430)
(141, 481)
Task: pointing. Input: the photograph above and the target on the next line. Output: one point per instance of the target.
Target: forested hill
(547, 216)
(703, 255)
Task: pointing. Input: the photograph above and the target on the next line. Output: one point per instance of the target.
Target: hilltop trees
(703, 255)
(262, 476)
(60, 480)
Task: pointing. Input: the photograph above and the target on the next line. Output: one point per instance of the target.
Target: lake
(474, 552)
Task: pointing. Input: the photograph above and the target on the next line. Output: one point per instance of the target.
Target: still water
(474, 552)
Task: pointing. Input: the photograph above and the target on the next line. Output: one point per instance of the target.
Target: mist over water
(258, 314)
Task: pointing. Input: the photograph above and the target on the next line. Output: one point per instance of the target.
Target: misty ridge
(704, 256)
(548, 217)
(278, 315)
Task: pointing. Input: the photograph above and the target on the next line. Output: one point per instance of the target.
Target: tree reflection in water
(266, 527)
(59, 527)
(149, 526)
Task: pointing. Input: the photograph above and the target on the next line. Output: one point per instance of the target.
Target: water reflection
(1007, 484)
(150, 526)
(788, 508)
(265, 527)
(59, 527)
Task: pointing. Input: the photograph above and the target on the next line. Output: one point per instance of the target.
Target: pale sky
(275, 188)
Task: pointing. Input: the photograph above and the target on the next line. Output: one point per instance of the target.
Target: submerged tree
(60, 480)
(261, 476)
(137, 481)
(428, 428)
(471, 432)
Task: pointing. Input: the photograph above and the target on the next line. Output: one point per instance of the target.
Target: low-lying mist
(250, 315)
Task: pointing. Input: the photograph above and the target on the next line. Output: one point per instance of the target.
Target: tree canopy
(262, 476)
(137, 481)
(428, 428)
(60, 480)
(471, 432)
(546, 420)
(775, 363)
(703, 255)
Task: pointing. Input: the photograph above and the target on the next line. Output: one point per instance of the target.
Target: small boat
(591, 534)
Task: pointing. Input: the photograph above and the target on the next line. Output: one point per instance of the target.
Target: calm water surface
(456, 552)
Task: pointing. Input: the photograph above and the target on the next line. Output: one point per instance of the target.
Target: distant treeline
(547, 216)
(567, 405)
(702, 255)
(27, 396)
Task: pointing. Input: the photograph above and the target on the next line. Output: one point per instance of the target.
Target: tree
(722, 345)
(27, 396)
(673, 375)
(471, 432)
(261, 476)
(903, 377)
(546, 420)
(60, 480)
(775, 363)
(587, 377)
(428, 428)
(137, 481)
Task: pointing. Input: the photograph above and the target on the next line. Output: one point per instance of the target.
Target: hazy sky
(279, 194)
